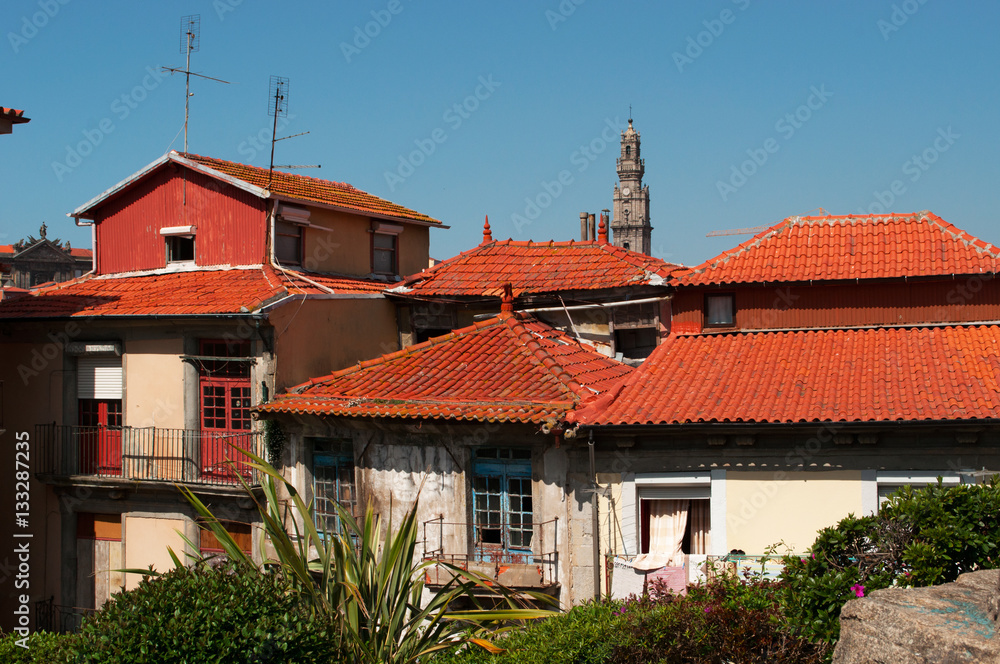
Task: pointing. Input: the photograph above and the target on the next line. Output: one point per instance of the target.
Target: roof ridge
(538, 354)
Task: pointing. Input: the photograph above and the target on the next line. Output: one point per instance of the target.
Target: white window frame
(638, 486)
(873, 480)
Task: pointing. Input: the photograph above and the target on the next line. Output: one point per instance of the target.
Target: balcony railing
(51, 617)
(534, 567)
(148, 453)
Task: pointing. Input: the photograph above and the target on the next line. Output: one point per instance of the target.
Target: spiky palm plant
(370, 577)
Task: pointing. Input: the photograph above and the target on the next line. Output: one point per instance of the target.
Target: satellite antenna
(190, 42)
(277, 106)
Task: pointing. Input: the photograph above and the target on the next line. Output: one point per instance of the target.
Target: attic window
(720, 310)
(180, 249)
(288, 242)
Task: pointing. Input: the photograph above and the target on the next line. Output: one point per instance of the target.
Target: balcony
(536, 568)
(147, 454)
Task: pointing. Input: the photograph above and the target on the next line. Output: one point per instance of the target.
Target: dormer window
(180, 243)
(720, 310)
(288, 242)
(385, 247)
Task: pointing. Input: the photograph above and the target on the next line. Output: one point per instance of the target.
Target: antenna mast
(190, 42)
(277, 106)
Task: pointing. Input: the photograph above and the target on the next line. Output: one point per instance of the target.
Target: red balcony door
(225, 422)
(101, 436)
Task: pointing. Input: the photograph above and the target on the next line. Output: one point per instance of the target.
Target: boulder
(951, 623)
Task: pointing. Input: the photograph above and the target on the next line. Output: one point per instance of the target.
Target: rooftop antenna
(190, 42)
(277, 106)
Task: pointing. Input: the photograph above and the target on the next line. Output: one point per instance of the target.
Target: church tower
(630, 224)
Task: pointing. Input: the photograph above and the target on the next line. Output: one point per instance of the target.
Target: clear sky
(749, 111)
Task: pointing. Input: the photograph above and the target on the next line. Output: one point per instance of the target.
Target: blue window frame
(502, 505)
(333, 482)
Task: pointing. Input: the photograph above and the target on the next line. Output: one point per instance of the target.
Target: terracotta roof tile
(844, 375)
(849, 247)
(13, 115)
(536, 267)
(302, 187)
(194, 292)
(511, 368)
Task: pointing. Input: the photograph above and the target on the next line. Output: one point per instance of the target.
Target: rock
(946, 624)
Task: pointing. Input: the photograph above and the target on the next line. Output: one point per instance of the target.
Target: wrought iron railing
(148, 453)
(451, 542)
(51, 617)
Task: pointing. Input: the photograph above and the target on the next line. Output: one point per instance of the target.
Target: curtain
(701, 526)
(667, 523)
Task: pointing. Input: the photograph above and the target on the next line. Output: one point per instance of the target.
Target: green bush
(219, 614)
(918, 538)
(43, 647)
(726, 620)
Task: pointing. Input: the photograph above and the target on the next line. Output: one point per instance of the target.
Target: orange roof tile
(194, 292)
(536, 267)
(849, 247)
(13, 115)
(844, 375)
(302, 187)
(509, 368)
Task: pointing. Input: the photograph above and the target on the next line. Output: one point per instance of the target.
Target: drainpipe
(594, 522)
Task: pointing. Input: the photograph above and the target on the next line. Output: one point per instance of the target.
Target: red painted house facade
(216, 285)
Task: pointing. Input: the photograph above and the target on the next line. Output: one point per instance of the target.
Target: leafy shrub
(225, 613)
(725, 620)
(918, 538)
(43, 647)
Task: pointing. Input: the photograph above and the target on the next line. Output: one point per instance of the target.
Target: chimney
(583, 226)
(593, 227)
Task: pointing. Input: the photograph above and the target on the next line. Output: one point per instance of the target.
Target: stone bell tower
(630, 224)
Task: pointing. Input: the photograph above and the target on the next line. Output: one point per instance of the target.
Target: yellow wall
(326, 335)
(347, 248)
(146, 541)
(764, 508)
(154, 383)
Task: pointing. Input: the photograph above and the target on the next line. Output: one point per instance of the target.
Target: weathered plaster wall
(765, 508)
(146, 539)
(154, 383)
(316, 337)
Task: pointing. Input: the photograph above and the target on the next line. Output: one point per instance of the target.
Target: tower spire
(630, 225)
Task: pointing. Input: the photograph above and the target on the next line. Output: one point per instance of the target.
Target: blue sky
(749, 111)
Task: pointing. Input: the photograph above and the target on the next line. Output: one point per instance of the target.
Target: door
(100, 436)
(225, 423)
(502, 505)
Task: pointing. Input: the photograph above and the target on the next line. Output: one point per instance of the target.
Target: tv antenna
(277, 106)
(190, 42)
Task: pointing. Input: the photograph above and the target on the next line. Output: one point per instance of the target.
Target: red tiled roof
(845, 375)
(13, 115)
(536, 267)
(301, 187)
(508, 368)
(849, 247)
(195, 292)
